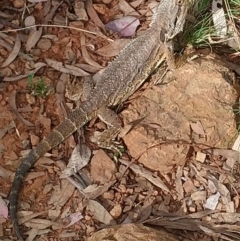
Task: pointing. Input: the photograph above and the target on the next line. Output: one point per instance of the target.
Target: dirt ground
(179, 162)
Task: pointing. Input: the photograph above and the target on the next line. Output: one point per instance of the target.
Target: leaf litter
(116, 192)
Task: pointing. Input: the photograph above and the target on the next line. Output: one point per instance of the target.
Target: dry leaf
(80, 158)
(136, 3)
(14, 53)
(32, 234)
(78, 71)
(212, 201)
(146, 174)
(234, 41)
(236, 145)
(31, 215)
(178, 182)
(37, 66)
(39, 223)
(85, 54)
(127, 9)
(44, 161)
(123, 132)
(100, 213)
(197, 128)
(93, 15)
(3, 208)
(70, 70)
(88, 68)
(93, 191)
(61, 194)
(199, 196)
(12, 104)
(33, 38)
(80, 11)
(52, 11)
(227, 153)
(74, 217)
(219, 18)
(4, 130)
(226, 217)
(33, 175)
(5, 173)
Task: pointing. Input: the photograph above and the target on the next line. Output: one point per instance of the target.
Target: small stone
(34, 140)
(35, 52)
(196, 183)
(130, 190)
(100, 8)
(109, 195)
(24, 136)
(122, 188)
(3, 102)
(13, 156)
(44, 44)
(200, 157)
(192, 209)
(116, 211)
(39, 6)
(30, 99)
(18, 3)
(29, 21)
(87, 217)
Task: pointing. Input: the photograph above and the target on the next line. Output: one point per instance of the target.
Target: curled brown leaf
(14, 53)
(12, 104)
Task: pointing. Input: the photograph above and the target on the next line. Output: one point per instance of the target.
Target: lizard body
(120, 79)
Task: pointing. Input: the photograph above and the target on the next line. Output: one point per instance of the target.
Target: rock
(131, 232)
(199, 99)
(102, 168)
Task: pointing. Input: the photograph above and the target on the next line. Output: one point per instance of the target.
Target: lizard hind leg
(108, 116)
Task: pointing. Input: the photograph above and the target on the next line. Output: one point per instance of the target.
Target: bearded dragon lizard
(120, 79)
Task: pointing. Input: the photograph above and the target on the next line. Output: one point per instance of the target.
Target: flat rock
(131, 232)
(194, 107)
(102, 168)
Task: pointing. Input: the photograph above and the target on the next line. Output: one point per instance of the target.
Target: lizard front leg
(79, 89)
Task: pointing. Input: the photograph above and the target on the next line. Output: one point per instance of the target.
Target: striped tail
(76, 119)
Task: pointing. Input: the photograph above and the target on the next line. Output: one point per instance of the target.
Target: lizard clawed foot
(106, 140)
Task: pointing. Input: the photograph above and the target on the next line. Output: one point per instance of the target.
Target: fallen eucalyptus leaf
(33, 38)
(146, 174)
(12, 104)
(14, 53)
(100, 213)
